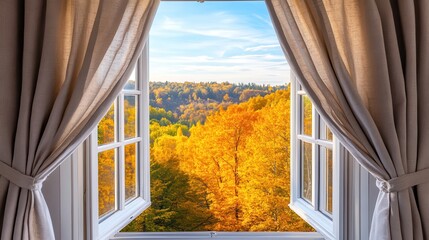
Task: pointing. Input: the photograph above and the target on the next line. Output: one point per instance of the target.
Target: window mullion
(325, 143)
(109, 146)
(131, 92)
(143, 125)
(121, 158)
(132, 140)
(295, 117)
(323, 187)
(306, 138)
(301, 92)
(315, 156)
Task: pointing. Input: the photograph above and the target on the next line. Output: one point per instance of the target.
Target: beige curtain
(365, 64)
(62, 63)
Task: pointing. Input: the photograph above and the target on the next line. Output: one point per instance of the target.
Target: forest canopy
(220, 159)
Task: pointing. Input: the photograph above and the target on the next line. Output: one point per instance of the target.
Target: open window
(318, 167)
(118, 166)
(118, 169)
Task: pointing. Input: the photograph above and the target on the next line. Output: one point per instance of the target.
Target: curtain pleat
(364, 65)
(62, 63)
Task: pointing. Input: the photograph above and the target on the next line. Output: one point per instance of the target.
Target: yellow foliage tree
(215, 155)
(267, 170)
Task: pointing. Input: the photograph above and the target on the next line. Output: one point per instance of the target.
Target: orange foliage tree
(230, 173)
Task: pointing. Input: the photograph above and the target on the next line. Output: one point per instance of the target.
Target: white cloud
(261, 47)
(257, 59)
(218, 46)
(216, 25)
(267, 21)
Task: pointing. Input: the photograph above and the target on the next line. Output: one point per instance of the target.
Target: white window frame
(107, 226)
(332, 226)
(74, 202)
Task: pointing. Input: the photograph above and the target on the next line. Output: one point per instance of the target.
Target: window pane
(106, 182)
(107, 127)
(325, 132)
(307, 116)
(131, 83)
(130, 116)
(130, 171)
(329, 135)
(307, 168)
(328, 179)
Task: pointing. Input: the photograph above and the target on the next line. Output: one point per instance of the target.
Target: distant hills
(189, 103)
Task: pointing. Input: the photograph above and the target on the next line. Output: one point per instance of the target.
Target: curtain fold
(62, 63)
(364, 65)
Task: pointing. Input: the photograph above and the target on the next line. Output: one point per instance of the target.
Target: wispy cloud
(262, 47)
(264, 20)
(221, 42)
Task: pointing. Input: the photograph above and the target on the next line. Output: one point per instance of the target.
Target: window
(315, 167)
(218, 170)
(119, 162)
(119, 165)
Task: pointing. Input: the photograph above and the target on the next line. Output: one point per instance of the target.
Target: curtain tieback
(403, 182)
(20, 179)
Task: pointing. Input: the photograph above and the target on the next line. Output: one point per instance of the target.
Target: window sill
(120, 219)
(220, 235)
(315, 218)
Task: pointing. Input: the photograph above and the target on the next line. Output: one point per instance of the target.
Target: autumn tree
(106, 163)
(215, 156)
(216, 165)
(177, 204)
(267, 169)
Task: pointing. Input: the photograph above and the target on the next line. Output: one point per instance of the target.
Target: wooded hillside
(220, 159)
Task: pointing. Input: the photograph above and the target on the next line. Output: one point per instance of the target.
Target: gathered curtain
(62, 63)
(365, 66)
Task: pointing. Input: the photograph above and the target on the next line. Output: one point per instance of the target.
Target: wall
(65, 199)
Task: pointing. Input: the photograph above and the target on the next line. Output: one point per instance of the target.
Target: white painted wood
(107, 226)
(330, 225)
(143, 73)
(51, 191)
(220, 236)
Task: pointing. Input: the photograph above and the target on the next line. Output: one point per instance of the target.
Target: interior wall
(362, 195)
(64, 194)
(52, 192)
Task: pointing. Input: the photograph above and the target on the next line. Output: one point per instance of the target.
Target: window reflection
(307, 171)
(106, 182)
(328, 179)
(307, 115)
(130, 171)
(130, 116)
(107, 127)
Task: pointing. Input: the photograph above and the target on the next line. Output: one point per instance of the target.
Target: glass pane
(307, 116)
(106, 182)
(132, 81)
(107, 127)
(329, 135)
(130, 171)
(329, 172)
(307, 170)
(130, 116)
(325, 132)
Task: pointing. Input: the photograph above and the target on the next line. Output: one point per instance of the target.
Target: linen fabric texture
(62, 63)
(364, 64)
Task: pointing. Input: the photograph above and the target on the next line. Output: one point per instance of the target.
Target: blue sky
(216, 41)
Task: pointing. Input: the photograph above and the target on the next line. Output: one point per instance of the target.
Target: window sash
(108, 225)
(329, 224)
